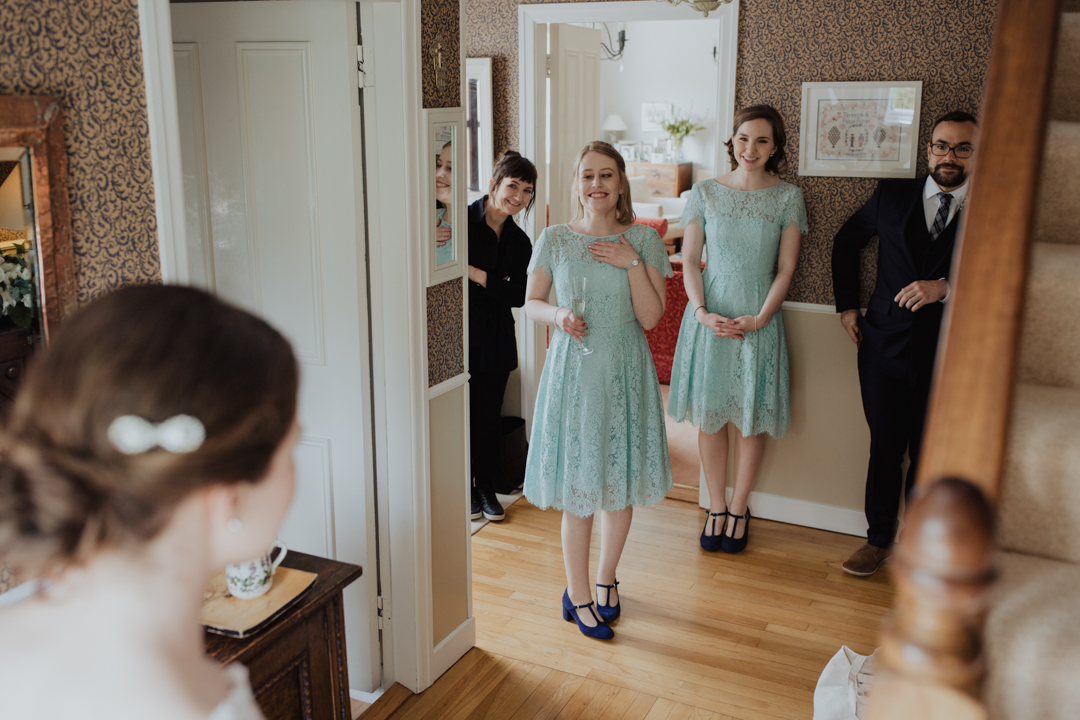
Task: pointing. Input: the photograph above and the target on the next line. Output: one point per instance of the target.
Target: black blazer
(492, 340)
(895, 214)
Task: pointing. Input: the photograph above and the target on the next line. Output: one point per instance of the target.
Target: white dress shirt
(931, 201)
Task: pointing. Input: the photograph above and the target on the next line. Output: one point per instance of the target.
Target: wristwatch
(633, 265)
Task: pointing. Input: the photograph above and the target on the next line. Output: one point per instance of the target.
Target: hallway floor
(702, 636)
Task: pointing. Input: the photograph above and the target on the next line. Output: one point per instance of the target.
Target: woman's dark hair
(154, 352)
(761, 112)
(513, 165)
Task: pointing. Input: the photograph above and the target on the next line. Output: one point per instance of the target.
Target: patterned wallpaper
(441, 17)
(445, 331)
(783, 43)
(89, 53)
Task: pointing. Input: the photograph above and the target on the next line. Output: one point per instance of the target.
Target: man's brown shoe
(865, 561)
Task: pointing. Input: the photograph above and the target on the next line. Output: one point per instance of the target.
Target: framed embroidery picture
(860, 129)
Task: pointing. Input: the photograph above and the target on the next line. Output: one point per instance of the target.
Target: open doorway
(656, 63)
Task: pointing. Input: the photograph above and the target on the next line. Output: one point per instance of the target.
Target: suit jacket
(492, 339)
(895, 214)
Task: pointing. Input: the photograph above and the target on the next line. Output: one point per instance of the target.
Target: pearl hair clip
(133, 435)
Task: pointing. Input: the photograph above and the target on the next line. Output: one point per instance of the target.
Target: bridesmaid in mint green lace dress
(598, 440)
(444, 194)
(730, 362)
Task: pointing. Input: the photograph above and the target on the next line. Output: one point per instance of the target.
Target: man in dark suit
(915, 221)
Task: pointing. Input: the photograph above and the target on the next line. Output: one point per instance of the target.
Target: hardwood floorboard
(702, 636)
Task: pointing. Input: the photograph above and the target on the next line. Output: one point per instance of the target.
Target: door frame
(398, 405)
(532, 52)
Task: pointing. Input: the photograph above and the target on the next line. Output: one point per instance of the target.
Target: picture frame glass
(860, 129)
(446, 179)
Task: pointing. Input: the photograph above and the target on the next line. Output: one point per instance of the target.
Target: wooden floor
(702, 635)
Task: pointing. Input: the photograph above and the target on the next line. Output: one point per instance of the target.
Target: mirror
(445, 229)
(37, 270)
(478, 128)
(446, 214)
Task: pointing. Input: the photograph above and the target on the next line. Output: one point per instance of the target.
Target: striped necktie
(942, 217)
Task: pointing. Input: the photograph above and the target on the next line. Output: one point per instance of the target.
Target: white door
(574, 62)
(270, 130)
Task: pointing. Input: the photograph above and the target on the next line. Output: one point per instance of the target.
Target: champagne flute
(577, 306)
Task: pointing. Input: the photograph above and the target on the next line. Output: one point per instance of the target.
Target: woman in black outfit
(499, 253)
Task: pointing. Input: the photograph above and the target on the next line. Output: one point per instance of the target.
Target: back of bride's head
(146, 396)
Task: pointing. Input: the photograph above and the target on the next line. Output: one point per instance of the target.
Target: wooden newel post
(943, 568)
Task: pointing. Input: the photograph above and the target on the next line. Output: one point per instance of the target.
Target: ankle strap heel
(712, 543)
(570, 613)
(733, 544)
(608, 612)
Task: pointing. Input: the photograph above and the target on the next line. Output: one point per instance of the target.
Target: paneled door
(270, 130)
(574, 68)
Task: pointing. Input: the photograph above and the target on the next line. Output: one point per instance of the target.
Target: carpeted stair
(1033, 629)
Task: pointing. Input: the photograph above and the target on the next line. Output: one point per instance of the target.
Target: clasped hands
(727, 327)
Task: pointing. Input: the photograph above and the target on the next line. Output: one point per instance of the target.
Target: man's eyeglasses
(942, 149)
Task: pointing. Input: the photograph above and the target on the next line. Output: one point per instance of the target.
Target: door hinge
(549, 66)
(365, 67)
(379, 607)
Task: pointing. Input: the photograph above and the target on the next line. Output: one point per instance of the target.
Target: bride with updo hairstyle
(150, 445)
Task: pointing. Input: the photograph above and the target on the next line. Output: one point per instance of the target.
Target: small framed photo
(657, 158)
(860, 129)
(629, 151)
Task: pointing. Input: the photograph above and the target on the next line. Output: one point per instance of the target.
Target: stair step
(1056, 219)
(1065, 85)
(1039, 509)
(1050, 328)
(1032, 640)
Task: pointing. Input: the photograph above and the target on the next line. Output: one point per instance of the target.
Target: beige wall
(822, 458)
(449, 514)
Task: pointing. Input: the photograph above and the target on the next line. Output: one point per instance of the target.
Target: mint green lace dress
(717, 380)
(598, 438)
(444, 253)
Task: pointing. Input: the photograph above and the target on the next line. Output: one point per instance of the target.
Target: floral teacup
(253, 578)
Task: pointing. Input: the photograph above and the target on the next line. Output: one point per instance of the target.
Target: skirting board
(800, 512)
(366, 697)
(453, 647)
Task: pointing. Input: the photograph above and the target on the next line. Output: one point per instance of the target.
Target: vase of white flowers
(16, 288)
(679, 127)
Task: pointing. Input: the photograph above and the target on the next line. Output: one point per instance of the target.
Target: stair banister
(932, 661)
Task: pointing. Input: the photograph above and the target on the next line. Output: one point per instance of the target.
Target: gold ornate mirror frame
(37, 123)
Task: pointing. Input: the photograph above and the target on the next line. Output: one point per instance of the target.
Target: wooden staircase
(987, 624)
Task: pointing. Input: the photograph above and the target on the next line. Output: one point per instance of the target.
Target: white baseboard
(800, 512)
(366, 697)
(453, 648)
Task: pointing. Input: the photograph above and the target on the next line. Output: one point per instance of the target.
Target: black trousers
(486, 390)
(895, 393)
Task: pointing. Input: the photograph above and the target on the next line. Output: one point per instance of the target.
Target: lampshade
(614, 123)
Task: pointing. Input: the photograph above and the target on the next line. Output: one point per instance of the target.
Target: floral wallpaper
(442, 18)
(89, 53)
(783, 43)
(445, 331)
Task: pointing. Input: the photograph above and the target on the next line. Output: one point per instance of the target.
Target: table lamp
(614, 125)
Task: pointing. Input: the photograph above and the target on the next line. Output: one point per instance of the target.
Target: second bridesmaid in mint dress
(730, 362)
(598, 438)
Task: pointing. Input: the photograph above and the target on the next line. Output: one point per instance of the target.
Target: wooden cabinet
(297, 665)
(16, 346)
(667, 180)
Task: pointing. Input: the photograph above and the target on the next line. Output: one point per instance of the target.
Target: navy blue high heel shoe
(732, 544)
(570, 614)
(712, 542)
(608, 613)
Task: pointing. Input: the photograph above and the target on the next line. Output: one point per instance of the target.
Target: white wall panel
(277, 129)
(193, 158)
(309, 526)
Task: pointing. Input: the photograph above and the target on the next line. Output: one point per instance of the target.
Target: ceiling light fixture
(702, 6)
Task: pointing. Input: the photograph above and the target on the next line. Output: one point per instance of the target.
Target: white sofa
(662, 207)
